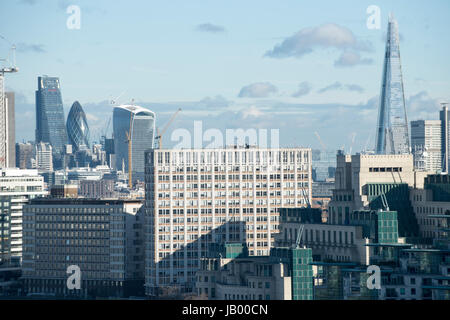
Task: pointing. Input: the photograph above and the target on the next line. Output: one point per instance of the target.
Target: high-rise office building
(77, 127)
(24, 155)
(7, 129)
(444, 116)
(142, 124)
(192, 194)
(17, 187)
(392, 130)
(426, 145)
(50, 125)
(44, 156)
(102, 237)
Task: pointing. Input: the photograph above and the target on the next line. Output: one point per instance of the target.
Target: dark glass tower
(50, 125)
(77, 127)
(392, 130)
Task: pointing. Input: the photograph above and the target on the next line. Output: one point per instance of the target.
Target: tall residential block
(50, 124)
(392, 130)
(7, 128)
(191, 193)
(136, 126)
(426, 144)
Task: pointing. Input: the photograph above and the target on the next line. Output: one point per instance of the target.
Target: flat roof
(81, 201)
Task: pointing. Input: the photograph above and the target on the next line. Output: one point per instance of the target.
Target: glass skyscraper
(50, 124)
(77, 127)
(392, 130)
(142, 123)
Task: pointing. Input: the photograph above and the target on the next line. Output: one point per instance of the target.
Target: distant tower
(77, 127)
(392, 130)
(142, 136)
(50, 126)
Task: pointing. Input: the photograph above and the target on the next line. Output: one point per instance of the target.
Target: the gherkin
(77, 127)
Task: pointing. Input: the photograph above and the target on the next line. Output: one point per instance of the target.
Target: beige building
(355, 172)
(192, 192)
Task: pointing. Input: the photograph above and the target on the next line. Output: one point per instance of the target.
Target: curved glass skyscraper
(392, 130)
(77, 127)
(142, 124)
(50, 126)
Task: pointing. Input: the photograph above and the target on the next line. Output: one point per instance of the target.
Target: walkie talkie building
(392, 130)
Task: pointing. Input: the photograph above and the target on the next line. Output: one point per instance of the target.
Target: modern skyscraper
(10, 102)
(50, 127)
(392, 130)
(426, 145)
(444, 116)
(199, 196)
(77, 127)
(142, 124)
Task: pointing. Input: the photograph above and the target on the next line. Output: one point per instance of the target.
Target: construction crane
(160, 134)
(299, 236)
(320, 140)
(11, 68)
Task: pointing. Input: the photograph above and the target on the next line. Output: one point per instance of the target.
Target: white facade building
(426, 143)
(190, 193)
(17, 187)
(44, 157)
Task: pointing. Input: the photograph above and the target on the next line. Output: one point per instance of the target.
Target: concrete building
(102, 237)
(97, 188)
(190, 193)
(24, 155)
(64, 191)
(284, 275)
(362, 179)
(44, 156)
(17, 187)
(426, 144)
(431, 206)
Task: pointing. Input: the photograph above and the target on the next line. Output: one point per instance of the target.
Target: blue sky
(230, 63)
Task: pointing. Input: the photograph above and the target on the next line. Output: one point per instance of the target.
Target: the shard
(392, 130)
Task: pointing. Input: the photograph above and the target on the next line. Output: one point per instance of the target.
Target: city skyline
(242, 78)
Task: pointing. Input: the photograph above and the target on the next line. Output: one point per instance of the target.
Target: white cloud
(325, 36)
(257, 90)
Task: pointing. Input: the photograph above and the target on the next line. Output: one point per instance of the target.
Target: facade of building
(7, 127)
(24, 155)
(444, 116)
(284, 275)
(141, 123)
(392, 130)
(431, 206)
(17, 187)
(97, 188)
(44, 156)
(102, 237)
(50, 124)
(77, 127)
(191, 193)
(426, 144)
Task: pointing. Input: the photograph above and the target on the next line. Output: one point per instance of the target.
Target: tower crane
(160, 134)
